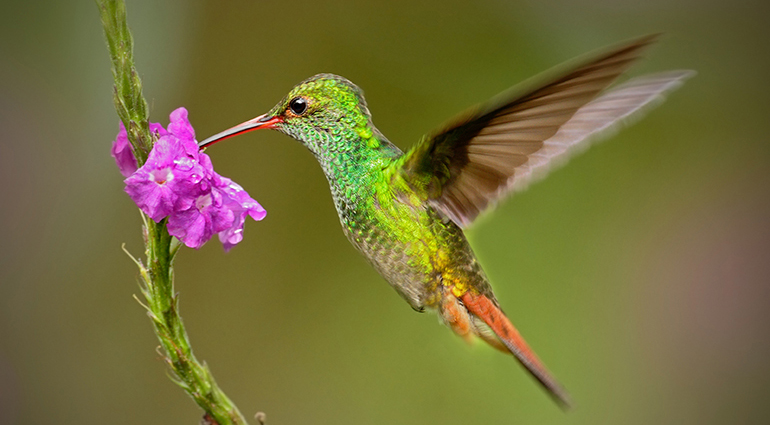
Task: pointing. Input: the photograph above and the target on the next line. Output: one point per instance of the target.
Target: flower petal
(180, 126)
(121, 151)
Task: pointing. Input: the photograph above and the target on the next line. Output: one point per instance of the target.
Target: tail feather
(486, 310)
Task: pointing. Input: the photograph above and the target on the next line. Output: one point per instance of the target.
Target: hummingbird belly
(420, 254)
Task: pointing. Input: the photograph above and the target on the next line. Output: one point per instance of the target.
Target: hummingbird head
(326, 113)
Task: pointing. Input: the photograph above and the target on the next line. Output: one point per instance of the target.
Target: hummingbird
(406, 211)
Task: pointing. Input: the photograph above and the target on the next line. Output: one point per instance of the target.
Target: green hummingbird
(406, 211)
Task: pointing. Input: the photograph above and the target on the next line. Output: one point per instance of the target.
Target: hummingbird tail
(486, 310)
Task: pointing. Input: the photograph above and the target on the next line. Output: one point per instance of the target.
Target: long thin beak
(262, 121)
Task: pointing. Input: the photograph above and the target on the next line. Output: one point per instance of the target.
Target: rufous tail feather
(486, 310)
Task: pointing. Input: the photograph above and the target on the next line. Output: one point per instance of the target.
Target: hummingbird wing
(521, 134)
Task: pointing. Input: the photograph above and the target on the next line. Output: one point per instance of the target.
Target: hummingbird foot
(455, 316)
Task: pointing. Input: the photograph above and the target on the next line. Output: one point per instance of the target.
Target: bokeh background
(640, 272)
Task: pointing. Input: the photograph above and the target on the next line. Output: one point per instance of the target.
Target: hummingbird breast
(419, 253)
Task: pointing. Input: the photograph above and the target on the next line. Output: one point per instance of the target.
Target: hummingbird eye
(298, 105)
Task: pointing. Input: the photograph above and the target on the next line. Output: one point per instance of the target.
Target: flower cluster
(179, 182)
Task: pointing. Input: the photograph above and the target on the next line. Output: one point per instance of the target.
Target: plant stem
(157, 277)
(163, 308)
(129, 102)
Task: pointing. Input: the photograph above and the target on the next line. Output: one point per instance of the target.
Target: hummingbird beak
(262, 121)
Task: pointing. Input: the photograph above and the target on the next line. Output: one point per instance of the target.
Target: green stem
(129, 102)
(190, 374)
(157, 277)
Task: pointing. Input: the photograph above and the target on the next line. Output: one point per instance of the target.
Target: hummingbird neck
(355, 179)
(354, 169)
(357, 158)
(349, 156)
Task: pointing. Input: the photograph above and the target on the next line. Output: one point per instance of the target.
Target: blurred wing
(595, 121)
(472, 162)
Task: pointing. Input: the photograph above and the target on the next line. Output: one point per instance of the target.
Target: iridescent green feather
(404, 212)
(405, 239)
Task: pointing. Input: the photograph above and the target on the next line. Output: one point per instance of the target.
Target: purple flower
(168, 178)
(180, 127)
(206, 215)
(121, 148)
(180, 183)
(121, 151)
(157, 129)
(242, 205)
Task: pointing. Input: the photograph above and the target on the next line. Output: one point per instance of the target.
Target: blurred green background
(640, 272)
